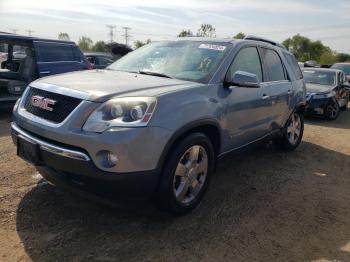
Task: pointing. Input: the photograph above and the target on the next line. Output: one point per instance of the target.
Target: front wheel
(186, 174)
(293, 132)
(332, 110)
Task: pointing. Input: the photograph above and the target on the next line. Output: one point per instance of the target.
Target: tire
(186, 174)
(332, 110)
(292, 133)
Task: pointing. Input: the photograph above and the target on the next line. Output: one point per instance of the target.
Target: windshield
(319, 77)
(186, 60)
(344, 68)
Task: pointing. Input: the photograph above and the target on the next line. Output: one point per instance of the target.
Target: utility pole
(29, 32)
(111, 32)
(126, 34)
(14, 30)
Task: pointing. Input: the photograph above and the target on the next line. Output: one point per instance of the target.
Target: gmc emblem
(43, 103)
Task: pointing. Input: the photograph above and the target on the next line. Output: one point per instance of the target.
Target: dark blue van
(24, 59)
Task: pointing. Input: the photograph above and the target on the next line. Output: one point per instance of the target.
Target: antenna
(126, 34)
(111, 32)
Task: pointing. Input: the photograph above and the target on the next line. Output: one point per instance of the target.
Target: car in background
(28, 58)
(327, 91)
(345, 67)
(100, 60)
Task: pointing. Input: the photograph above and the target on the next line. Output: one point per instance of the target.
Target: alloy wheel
(190, 174)
(333, 110)
(294, 128)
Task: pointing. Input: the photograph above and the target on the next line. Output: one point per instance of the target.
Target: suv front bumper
(63, 165)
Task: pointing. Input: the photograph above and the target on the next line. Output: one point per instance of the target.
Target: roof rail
(261, 39)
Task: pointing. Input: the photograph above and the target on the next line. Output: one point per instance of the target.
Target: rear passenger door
(55, 58)
(279, 87)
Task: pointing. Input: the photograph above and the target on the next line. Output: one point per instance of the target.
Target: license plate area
(28, 150)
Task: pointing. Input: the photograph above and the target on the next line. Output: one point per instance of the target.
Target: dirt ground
(263, 205)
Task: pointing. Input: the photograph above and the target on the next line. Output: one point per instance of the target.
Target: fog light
(106, 159)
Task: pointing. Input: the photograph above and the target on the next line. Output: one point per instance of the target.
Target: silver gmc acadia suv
(157, 120)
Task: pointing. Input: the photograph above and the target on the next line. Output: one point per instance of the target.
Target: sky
(328, 21)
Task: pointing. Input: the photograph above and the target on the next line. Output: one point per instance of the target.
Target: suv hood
(102, 85)
(315, 88)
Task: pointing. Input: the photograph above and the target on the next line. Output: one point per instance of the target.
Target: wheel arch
(209, 127)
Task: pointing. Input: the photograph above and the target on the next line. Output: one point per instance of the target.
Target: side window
(49, 52)
(273, 65)
(104, 61)
(247, 60)
(77, 54)
(294, 65)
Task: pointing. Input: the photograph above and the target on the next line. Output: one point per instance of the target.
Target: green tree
(240, 35)
(327, 57)
(341, 57)
(100, 46)
(85, 43)
(63, 36)
(305, 49)
(139, 43)
(185, 33)
(206, 30)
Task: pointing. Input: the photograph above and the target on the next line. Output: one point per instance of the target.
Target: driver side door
(247, 109)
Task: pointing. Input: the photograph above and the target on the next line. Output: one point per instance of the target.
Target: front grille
(63, 107)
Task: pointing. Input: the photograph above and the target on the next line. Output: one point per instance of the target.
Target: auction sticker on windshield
(212, 47)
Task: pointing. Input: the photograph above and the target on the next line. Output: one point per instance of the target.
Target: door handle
(264, 97)
(45, 72)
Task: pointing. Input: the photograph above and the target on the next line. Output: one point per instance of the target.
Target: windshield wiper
(153, 74)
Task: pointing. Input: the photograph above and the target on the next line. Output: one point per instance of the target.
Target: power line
(29, 32)
(126, 34)
(111, 32)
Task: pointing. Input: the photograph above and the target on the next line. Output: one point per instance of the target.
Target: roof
(97, 54)
(321, 69)
(15, 37)
(231, 40)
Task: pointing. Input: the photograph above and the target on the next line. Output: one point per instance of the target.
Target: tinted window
(294, 65)
(55, 53)
(273, 64)
(247, 60)
(343, 67)
(104, 61)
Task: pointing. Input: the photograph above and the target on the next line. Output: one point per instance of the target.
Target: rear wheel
(293, 132)
(332, 110)
(186, 174)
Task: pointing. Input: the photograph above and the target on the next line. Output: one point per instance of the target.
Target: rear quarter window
(294, 65)
(55, 52)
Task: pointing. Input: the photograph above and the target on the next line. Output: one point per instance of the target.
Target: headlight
(322, 96)
(121, 112)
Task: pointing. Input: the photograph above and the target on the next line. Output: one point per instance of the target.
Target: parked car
(29, 58)
(158, 119)
(99, 60)
(327, 91)
(345, 67)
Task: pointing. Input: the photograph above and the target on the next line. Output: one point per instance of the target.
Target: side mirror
(244, 79)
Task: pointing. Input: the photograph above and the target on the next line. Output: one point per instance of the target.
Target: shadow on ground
(263, 205)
